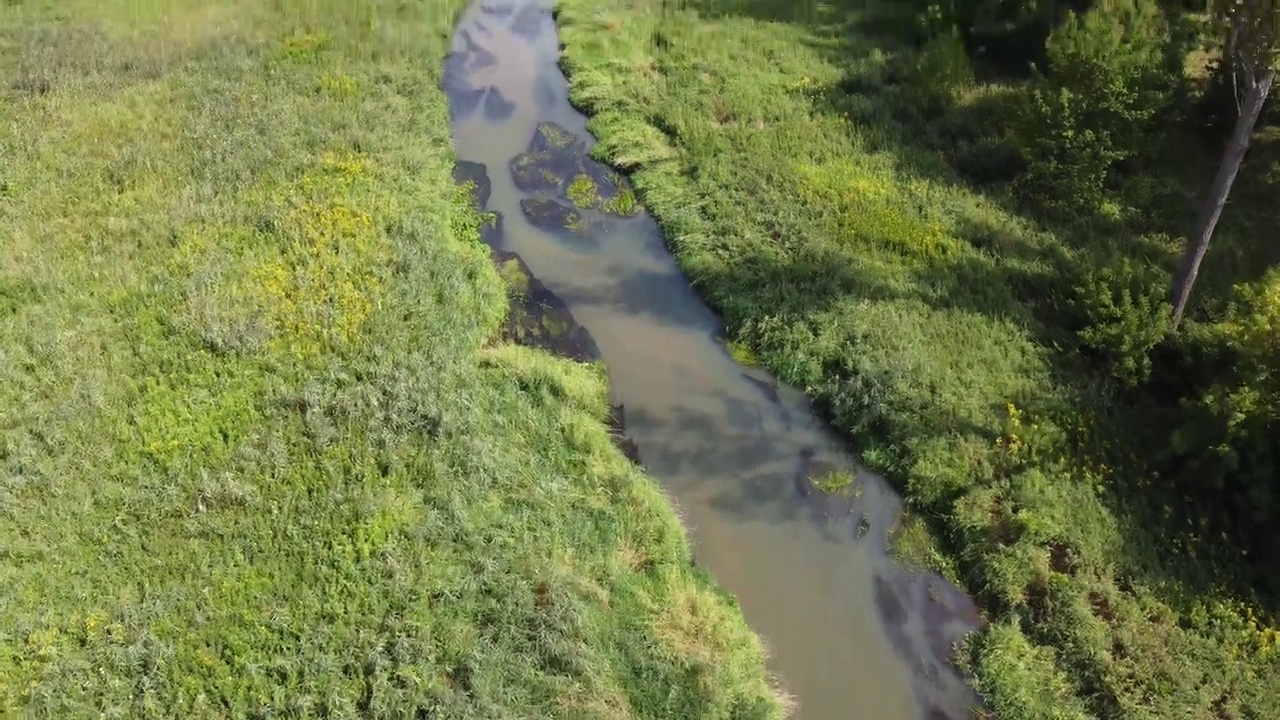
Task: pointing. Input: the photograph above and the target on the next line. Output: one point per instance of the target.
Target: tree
(1250, 54)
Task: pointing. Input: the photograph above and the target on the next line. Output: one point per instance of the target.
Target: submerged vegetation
(262, 451)
(957, 225)
(834, 482)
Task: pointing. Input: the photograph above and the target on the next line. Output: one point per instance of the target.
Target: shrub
(942, 68)
(1107, 83)
(936, 74)
(1235, 424)
(1008, 34)
(1125, 314)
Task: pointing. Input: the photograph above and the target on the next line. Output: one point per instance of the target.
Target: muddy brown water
(850, 633)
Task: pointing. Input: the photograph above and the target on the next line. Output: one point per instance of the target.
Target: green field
(260, 454)
(816, 179)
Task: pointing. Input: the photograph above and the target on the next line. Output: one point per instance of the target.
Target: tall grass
(259, 454)
(776, 144)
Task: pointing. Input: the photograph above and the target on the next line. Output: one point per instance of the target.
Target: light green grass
(841, 249)
(259, 455)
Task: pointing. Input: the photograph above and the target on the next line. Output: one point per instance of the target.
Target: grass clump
(582, 192)
(835, 481)
(849, 203)
(259, 451)
(623, 204)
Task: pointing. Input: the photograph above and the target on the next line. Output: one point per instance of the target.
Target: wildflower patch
(867, 208)
(303, 281)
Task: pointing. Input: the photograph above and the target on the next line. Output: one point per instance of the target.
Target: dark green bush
(1107, 83)
(987, 161)
(1125, 314)
(933, 77)
(1009, 35)
(1232, 430)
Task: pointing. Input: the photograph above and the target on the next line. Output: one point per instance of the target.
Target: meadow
(261, 451)
(838, 185)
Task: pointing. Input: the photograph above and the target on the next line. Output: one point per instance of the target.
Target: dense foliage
(957, 225)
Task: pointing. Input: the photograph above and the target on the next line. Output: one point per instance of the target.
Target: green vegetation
(835, 481)
(914, 542)
(956, 225)
(260, 454)
(742, 354)
(556, 162)
(623, 204)
(582, 191)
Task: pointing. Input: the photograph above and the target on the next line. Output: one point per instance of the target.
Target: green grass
(259, 452)
(852, 260)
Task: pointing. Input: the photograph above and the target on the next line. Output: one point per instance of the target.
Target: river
(850, 633)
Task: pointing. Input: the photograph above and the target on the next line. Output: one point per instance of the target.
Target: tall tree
(1250, 52)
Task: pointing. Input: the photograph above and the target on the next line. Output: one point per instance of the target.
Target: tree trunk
(1232, 157)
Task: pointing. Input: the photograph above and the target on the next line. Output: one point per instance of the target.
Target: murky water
(850, 635)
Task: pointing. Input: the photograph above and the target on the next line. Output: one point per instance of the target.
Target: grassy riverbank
(849, 254)
(259, 454)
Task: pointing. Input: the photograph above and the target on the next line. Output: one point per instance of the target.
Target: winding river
(850, 633)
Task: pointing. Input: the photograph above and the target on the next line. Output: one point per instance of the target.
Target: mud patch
(890, 606)
(480, 58)
(618, 429)
(544, 93)
(499, 10)
(492, 231)
(464, 98)
(537, 317)
(464, 102)
(767, 388)
(530, 22)
(925, 616)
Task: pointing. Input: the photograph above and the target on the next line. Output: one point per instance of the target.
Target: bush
(1107, 84)
(936, 75)
(1125, 314)
(1234, 426)
(1009, 34)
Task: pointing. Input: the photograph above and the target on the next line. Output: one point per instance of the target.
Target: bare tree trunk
(1232, 157)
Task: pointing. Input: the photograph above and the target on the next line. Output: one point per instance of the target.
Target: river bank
(849, 259)
(265, 447)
